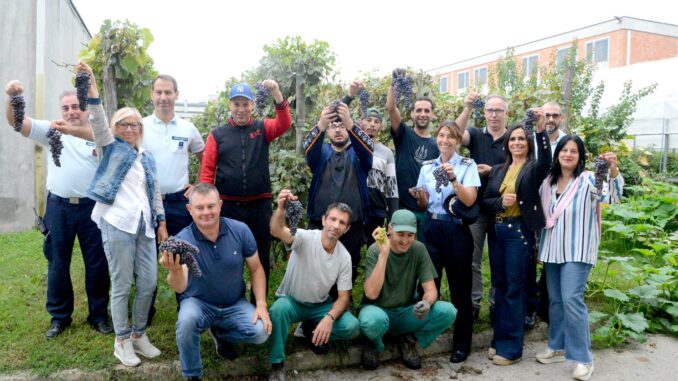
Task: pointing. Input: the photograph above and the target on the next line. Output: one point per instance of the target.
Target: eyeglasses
(497, 111)
(126, 125)
(554, 116)
(337, 126)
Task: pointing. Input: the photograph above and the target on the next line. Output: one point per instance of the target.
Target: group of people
(123, 188)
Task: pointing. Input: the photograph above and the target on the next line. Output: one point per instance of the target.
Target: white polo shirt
(78, 162)
(170, 145)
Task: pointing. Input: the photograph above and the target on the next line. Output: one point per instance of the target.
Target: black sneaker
(530, 320)
(370, 357)
(102, 327)
(55, 329)
(277, 374)
(408, 349)
(194, 378)
(225, 349)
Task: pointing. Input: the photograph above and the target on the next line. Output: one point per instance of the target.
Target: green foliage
(123, 46)
(645, 227)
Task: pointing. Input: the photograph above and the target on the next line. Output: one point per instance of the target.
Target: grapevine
(364, 96)
(185, 251)
(441, 178)
(82, 87)
(293, 210)
(55, 145)
(261, 97)
(19, 109)
(601, 168)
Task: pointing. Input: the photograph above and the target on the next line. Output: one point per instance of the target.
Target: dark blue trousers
(65, 221)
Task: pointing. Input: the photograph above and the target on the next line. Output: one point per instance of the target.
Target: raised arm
(14, 88)
(376, 270)
(278, 228)
(462, 119)
(393, 112)
(102, 134)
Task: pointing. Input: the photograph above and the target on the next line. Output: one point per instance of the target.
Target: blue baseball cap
(241, 90)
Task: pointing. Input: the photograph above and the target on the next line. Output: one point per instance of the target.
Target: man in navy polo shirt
(171, 139)
(215, 300)
(68, 214)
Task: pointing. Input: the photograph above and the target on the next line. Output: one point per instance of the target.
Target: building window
(462, 80)
(596, 51)
(480, 76)
(530, 66)
(561, 56)
(443, 84)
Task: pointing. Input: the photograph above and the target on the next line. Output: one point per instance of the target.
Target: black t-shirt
(485, 150)
(411, 151)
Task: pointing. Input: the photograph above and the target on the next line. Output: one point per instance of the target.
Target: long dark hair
(556, 171)
(530, 144)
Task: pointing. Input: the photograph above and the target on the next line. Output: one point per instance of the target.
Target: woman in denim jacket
(128, 209)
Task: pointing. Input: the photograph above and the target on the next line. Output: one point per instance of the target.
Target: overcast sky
(202, 43)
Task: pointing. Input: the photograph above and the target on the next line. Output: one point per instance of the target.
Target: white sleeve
(196, 144)
(39, 130)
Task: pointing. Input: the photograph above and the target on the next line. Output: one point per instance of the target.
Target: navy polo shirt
(220, 262)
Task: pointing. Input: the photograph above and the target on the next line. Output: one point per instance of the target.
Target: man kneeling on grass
(318, 262)
(392, 271)
(215, 300)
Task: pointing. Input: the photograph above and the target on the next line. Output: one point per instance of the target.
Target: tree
(118, 55)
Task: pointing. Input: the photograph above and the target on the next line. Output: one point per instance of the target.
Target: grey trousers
(479, 232)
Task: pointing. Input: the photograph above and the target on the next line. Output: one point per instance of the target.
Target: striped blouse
(576, 234)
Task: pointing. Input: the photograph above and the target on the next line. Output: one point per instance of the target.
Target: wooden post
(301, 113)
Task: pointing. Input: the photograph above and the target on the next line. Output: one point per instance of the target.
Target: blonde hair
(124, 113)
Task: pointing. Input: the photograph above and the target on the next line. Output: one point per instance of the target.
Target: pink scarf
(564, 203)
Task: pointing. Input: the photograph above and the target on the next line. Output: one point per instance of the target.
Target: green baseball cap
(404, 221)
(372, 112)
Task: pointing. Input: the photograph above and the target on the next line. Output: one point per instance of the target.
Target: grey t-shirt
(311, 271)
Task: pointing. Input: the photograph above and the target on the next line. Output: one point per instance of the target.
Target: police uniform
(450, 244)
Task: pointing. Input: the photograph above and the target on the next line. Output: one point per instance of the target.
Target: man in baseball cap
(241, 90)
(392, 271)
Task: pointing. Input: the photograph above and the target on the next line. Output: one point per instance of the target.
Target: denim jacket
(115, 159)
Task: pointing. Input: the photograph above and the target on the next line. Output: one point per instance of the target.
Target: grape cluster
(19, 109)
(55, 145)
(82, 87)
(364, 96)
(403, 86)
(261, 97)
(528, 123)
(600, 173)
(334, 105)
(381, 236)
(293, 210)
(441, 178)
(478, 108)
(185, 251)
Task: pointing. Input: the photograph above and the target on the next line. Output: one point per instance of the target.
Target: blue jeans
(569, 327)
(232, 323)
(65, 221)
(131, 258)
(511, 245)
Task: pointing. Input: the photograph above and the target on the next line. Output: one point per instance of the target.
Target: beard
(551, 128)
(341, 144)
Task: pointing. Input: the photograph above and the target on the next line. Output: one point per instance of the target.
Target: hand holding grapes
(345, 115)
(170, 261)
(381, 239)
(541, 120)
(611, 159)
(355, 87)
(284, 196)
(326, 117)
(14, 88)
(275, 90)
(82, 67)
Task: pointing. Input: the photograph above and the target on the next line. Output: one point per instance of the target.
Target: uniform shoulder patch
(466, 161)
(427, 162)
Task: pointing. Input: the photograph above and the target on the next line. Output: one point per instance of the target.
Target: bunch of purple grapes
(364, 96)
(403, 86)
(334, 105)
(185, 251)
(294, 211)
(55, 145)
(600, 173)
(442, 180)
(19, 109)
(528, 123)
(261, 97)
(82, 87)
(478, 108)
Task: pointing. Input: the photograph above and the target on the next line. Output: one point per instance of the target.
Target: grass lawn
(23, 318)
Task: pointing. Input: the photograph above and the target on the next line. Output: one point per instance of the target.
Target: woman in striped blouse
(569, 247)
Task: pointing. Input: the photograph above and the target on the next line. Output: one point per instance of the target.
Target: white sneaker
(549, 356)
(582, 372)
(299, 332)
(144, 347)
(124, 351)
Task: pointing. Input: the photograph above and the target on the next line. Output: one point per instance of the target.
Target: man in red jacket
(236, 161)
